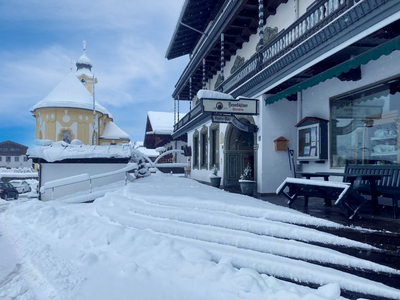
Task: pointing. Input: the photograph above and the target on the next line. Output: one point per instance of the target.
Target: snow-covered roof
(84, 71)
(161, 122)
(201, 94)
(84, 60)
(112, 131)
(148, 152)
(70, 92)
(57, 151)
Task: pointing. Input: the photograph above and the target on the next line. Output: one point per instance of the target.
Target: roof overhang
(194, 18)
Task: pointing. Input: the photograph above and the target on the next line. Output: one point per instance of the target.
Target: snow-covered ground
(165, 237)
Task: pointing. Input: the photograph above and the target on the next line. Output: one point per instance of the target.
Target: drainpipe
(190, 92)
(204, 73)
(222, 58)
(299, 118)
(174, 111)
(299, 106)
(178, 108)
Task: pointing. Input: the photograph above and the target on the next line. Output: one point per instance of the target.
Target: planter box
(248, 187)
(215, 181)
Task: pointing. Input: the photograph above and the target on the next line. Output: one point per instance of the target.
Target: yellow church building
(70, 111)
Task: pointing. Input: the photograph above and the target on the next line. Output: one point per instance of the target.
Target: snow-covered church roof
(112, 131)
(84, 60)
(161, 122)
(71, 93)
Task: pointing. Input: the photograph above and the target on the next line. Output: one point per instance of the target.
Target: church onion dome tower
(84, 71)
(70, 111)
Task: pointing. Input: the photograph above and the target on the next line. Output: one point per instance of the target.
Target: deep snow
(164, 237)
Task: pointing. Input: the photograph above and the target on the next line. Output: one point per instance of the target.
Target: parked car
(21, 185)
(7, 191)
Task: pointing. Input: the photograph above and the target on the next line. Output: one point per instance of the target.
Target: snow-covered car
(21, 185)
(7, 191)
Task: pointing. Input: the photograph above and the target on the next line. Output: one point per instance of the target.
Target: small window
(214, 145)
(204, 147)
(196, 150)
(16, 158)
(8, 158)
(1, 158)
(25, 158)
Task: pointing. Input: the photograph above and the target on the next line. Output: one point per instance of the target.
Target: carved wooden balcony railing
(318, 16)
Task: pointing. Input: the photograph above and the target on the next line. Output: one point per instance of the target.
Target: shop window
(196, 150)
(214, 145)
(365, 126)
(203, 148)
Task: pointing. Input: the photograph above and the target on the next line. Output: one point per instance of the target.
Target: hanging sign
(235, 122)
(223, 106)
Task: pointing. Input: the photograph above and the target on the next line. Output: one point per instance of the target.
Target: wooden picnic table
(351, 178)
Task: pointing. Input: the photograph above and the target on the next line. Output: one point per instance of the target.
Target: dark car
(7, 191)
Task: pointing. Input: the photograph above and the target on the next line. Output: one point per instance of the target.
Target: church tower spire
(84, 70)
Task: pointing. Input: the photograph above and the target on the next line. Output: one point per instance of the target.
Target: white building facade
(13, 155)
(326, 75)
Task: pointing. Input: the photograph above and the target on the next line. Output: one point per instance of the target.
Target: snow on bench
(342, 192)
(316, 186)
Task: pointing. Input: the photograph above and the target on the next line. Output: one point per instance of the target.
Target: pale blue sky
(126, 42)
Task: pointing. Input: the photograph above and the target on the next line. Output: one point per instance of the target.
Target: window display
(365, 125)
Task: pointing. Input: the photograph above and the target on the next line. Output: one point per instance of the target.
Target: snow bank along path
(166, 235)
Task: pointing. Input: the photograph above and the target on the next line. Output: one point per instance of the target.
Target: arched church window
(66, 136)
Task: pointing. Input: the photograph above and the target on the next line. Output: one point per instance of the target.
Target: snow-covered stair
(289, 246)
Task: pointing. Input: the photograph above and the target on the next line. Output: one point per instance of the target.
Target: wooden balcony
(307, 47)
(324, 26)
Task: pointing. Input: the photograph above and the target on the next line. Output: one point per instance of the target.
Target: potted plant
(214, 178)
(247, 185)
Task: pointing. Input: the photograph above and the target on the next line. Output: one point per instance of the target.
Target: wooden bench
(343, 193)
(388, 186)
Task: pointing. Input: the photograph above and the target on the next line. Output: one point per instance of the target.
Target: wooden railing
(194, 113)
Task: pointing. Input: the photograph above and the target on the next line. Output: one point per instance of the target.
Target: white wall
(15, 164)
(203, 174)
(277, 119)
(303, 4)
(53, 171)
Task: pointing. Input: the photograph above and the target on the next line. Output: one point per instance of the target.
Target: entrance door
(239, 154)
